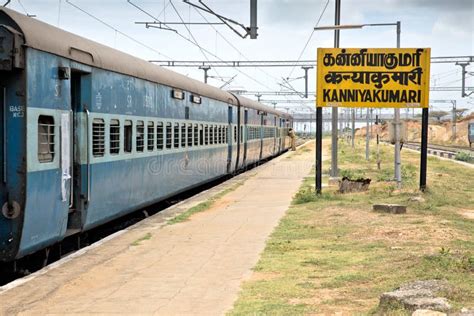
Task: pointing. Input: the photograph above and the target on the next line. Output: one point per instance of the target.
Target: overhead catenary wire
(23, 7)
(456, 81)
(188, 40)
(117, 30)
(192, 36)
(310, 37)
(235, 48)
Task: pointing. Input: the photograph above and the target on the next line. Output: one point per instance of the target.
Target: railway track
(449, 152)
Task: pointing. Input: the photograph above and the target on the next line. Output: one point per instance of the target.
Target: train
(90, 134)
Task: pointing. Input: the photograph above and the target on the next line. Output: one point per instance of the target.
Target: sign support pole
(319, 141)
(424, 148)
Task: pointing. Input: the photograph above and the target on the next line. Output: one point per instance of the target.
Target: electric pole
(206, 69)
(334, 131)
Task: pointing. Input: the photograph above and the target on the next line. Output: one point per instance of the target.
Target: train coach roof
(47, 38)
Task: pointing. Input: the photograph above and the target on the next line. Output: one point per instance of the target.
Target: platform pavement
(195, 267)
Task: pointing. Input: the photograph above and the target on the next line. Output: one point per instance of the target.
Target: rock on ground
(419, 295)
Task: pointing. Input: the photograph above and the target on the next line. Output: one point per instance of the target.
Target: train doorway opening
(3, 113)
(79, 142)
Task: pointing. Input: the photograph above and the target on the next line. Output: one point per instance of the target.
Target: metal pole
(398, 174)
(206, 69)
(378, 140)
(424, 148)
(334, 136)
(454, 118)
(463, 81)
(319, 141)
(306, 68)
(353, 127)
(367, 139)
(253, 19)
(371, 123)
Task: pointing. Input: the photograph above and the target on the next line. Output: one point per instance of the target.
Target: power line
(192, 36)
(23, 7)
(309, 39)
(117, 30)
(235, 48)
(188, 40)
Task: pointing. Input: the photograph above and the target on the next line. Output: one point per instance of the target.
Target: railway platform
(154, 267)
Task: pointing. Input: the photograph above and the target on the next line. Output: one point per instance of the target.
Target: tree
(438, 114)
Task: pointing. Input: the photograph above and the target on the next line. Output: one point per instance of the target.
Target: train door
(244, 135)
(275, 129)
(262, 135)
(3, 105)
(229, 139)
(79, 147)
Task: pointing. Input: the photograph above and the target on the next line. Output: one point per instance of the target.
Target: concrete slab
(195, 267)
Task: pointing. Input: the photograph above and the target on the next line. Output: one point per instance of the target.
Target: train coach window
(206, 135)
(196, 135)
(159, 136)
(176, 135)
(201, 135)
(169, 136)
(114, 137)
(216, 135)
(235, 134)
(151, 136)
(127, 138)
(98, 138)
(140, 136)
(241, 134)
(190, 135)
(211, 135)
(183, 135)
(45, 138)
(226, 135)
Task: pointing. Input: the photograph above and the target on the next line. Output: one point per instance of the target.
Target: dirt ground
(439, 132)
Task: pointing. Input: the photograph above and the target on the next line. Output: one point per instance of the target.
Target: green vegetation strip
(203, 206)
(333, 254)
(139, 240)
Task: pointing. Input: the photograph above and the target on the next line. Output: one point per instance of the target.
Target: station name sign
(373, 78)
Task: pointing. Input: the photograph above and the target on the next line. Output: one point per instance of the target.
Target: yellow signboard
(373, 78)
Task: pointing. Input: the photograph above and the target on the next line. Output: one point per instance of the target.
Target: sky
(285, 26)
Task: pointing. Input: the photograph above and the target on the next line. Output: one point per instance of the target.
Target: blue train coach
(89, 134)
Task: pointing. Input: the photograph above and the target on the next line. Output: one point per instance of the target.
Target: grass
(203, 206)
(139, 240)
(332, 254)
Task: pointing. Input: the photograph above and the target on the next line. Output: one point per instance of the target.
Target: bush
(352, 175)
(464, 156)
